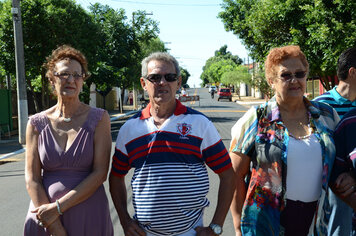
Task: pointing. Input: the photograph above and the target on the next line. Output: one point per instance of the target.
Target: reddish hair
(277, 55)
(66, 52)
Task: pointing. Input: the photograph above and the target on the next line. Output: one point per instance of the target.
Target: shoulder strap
(39, 120)
(94, 116)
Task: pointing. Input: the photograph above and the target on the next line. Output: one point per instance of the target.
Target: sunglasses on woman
(156, 78)
(287, 76)
(66, 75)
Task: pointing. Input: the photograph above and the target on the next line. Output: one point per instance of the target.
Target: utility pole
(20, 71)
(133, 84)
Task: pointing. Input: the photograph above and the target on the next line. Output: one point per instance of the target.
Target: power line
(169, 4)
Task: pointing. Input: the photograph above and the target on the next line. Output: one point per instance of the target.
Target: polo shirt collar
(179, 110)
(338, 98)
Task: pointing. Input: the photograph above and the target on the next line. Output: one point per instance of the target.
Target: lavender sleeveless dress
(63, 171)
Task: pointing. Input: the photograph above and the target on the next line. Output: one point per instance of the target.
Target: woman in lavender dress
(67, 156)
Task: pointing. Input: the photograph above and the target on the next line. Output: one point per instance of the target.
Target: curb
(12, 153)
(249, 103)
(119, 116)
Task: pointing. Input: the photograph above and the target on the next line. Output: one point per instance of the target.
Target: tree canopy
(113, 44)
(323, 29)
(223, 61)
(185, 75)
(239, 75)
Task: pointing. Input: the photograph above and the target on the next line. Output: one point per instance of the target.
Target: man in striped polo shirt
(342, 98)
(169, 146)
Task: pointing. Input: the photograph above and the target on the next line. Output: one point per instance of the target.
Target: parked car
(224, 93)
(212, 87)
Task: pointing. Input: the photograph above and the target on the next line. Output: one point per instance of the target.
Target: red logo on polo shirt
(184, 129)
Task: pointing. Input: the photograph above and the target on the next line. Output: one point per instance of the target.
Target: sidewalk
(247, 100)
(10, 147)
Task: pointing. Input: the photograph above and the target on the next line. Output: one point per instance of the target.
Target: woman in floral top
(285, 146)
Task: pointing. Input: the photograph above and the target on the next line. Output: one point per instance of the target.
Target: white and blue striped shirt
(170, 180)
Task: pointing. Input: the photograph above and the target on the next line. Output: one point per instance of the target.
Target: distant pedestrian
(67, 156)
(169, 146)
(130, 97)
(183, 92)
(288, 142)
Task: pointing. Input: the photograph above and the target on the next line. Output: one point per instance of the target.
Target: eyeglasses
(287, 76)
(66, 75)
(156, 78)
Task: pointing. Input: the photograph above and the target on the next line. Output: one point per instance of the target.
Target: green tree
(145, 32)
(237, 76)
(46, 25)
(153, 45)
(185, 75)
(114, 55)
(225, 54)
(223, 61)
(113, 45)
(323, 29)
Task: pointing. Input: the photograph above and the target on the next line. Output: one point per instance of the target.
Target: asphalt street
(15, 200)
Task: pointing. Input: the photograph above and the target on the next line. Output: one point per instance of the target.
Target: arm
(119, 198)
(226, 191)
(241, 165)
(33, 177)
(102, 150)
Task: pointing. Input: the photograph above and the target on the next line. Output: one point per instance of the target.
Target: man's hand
(131, 228)
(204, 231)
(345, 184)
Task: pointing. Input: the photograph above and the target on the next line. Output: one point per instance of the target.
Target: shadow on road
(11, 173)
(212, 107)
(222, 119)
(10, 147)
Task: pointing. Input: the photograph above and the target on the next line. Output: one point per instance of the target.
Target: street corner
(11, 150)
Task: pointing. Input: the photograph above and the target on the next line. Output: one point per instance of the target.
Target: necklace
(310, 130)
(65, 119)
(302, 137)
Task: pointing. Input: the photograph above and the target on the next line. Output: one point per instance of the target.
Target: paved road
(14, 198)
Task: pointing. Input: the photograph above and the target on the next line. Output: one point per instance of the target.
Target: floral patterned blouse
(261, 135)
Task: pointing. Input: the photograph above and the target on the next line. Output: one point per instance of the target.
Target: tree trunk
(37, 108)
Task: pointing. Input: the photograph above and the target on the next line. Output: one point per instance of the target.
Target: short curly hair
(277, 55)
(62, 53)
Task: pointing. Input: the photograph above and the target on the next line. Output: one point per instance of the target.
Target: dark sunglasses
(66, 75)
(287, 76)
(156, 78)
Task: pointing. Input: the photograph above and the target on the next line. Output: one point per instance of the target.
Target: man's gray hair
(159, 56)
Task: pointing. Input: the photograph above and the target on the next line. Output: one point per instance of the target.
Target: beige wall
(110, 100)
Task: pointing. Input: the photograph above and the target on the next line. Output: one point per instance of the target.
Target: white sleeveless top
(304, 169)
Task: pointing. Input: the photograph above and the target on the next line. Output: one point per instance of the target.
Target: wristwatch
(217, 229)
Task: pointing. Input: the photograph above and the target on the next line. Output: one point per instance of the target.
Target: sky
(190, 29)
